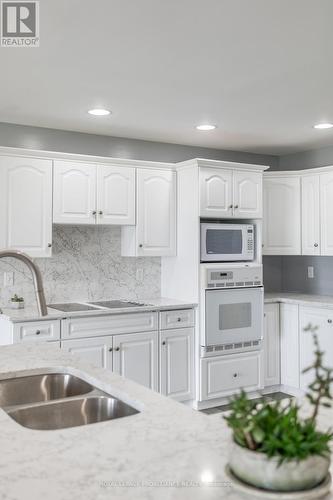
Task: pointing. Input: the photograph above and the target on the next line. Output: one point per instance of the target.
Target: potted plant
(17, 302)
(273, 447)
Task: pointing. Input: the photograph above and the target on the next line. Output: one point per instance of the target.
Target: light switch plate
(310, 272)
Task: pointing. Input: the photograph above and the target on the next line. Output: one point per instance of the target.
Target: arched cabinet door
(216, 193)
(247, 194)
(115, 195)
(26, 205)
(74, 193)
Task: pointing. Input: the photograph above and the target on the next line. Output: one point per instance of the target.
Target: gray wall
(20, 136)
(306, 159)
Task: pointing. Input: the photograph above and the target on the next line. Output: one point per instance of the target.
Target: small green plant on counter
(16, 298)
(276, 428)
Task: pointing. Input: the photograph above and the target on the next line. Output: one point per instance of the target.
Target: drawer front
(180, 318)
(36, 331)
(225, 375)
(109, 325)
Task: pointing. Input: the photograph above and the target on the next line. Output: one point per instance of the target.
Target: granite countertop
(154, 304)
(299, 298)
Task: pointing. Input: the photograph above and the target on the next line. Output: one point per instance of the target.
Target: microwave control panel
(234, 277)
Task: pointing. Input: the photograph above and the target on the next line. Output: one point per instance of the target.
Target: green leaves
(275, 428)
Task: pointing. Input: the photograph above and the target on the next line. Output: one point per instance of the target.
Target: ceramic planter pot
(16, 305)
(258, 470)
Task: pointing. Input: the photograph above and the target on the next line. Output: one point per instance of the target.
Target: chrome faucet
(36, 275)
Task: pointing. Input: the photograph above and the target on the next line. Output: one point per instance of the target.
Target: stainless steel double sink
(57, 401)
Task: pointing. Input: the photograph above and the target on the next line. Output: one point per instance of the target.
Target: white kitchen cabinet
(155, 232)
(216, 192)
(310, 215)
(74, 193)
(289, 331)
(90, 194)
(247, 198)
(176, 363)
(135, 356)
(96, 351)
(323, 319)
(26, 205)
(282, 215)
(115, 195)
(222, 376)
(271, 345)
(326, 211)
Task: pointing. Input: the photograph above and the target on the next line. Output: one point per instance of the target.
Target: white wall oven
(226, 242)
(233, 316)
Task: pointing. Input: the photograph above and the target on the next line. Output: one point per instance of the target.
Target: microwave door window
(224, 241)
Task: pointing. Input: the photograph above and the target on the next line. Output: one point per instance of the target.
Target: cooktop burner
(72, 307)
(115, 304)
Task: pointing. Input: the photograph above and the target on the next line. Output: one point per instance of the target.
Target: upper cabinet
(90, 194)
(310, 215)
(326, 213)
(155, 231)
(282, 215)
(26, 205)
(230, 193)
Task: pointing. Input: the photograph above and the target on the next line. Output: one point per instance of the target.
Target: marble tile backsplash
(85, 265)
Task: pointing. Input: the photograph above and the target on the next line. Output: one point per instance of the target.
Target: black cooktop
(115, 304)
(72, 307)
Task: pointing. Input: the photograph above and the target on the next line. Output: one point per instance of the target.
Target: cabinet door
(310, 215)
(156, 223)
(97, 351)
(216, 193)
(74, 193)
(323, 319)
(289, 345)
(282, 216)
(247, 195)
(115, 195)
(271, 345)
(176, 363)
(326, 200)
(135, 356)
(26, 205)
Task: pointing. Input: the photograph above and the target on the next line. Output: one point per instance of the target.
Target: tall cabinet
(26, 205)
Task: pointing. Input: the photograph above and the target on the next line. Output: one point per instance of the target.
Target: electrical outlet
(139, 274)
(310, 272)
(8, 278)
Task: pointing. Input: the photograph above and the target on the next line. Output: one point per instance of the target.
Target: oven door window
(224, 241)
(233, 316)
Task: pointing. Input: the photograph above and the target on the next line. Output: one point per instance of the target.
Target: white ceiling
(261, 70)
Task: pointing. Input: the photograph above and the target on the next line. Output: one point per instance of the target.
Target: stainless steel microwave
(226, 242)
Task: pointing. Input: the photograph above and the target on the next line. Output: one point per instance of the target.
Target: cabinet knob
(230, 206)
(49, 245)
(163, 343)
(329, 321)
(179, 320)
(38, 332)
(316, 245)
(110, 349)
(235, 375)
(100, 212)
(236, 206)
(141, 245)
(94, 212)
(117, 349)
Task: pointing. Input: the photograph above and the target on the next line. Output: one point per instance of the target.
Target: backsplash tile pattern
(85, 265)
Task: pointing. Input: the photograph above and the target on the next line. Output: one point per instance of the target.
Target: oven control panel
(236, 277)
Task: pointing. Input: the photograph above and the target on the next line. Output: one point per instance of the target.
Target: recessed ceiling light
(323, 125)
(99, 112)
(205, 127)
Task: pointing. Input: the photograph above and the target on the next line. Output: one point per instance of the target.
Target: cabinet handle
(94, 212)
(163, 343)
(231, 206)
(329, 321)
(141, 245)
(179, 320)
(110, 349)
(100, 212)
(117, 349)
(235, 375)
(49, 245)
(38, 332)
(316, 245)
(236, 206)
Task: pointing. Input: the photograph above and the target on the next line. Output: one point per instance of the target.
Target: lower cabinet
(323, 320)
(97, 351)
(176, 363)
(271, 345)
(135, 356)
(222, 376)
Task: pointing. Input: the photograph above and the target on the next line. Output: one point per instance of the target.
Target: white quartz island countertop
(154, 304)
(300, 299)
